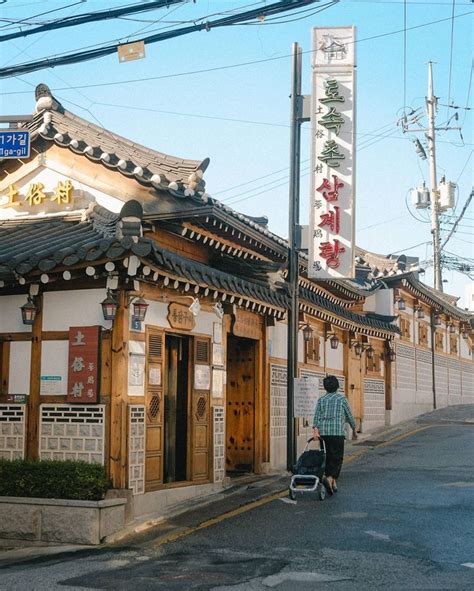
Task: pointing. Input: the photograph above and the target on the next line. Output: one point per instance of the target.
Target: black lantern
(28, 312)
(370, 352)
(334, 341)
(437, 319)
(401, 304)
(307, 333)
(139, 310)
(420, 313)
(109, 307)
(358, 349)
(451, 328)
(392, 355)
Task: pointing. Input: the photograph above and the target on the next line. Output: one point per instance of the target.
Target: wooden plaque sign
(83, 364)
(180, 316)
(247, 325)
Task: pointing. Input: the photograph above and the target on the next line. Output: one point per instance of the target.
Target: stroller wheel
(291, 494)
(322, 492)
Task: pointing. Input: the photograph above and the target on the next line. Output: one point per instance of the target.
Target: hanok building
(143, 323)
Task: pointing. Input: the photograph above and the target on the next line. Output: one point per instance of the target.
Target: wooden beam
(4, 368)
(118, 396)
(34, 398)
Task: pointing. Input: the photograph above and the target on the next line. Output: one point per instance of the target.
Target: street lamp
(420, 313)
(370, 352)
(358, 348)
(401, 304)
(334, 341)
(139, 309)
(307, 333)
(451, 328)
(109, 306)
(437, 319)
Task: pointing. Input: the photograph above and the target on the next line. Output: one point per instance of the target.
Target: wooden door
(354, 390)
(200, 413)
(240, 422)
(154, 402)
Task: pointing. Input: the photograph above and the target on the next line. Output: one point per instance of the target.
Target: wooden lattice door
(200, 410)
(155, 352)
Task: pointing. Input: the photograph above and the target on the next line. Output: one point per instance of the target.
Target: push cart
(308, 471)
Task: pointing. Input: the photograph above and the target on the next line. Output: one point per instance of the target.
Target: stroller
(308, 471)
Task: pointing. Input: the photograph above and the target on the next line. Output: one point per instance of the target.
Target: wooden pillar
(388, 381)
(34, 401)
(118, 395)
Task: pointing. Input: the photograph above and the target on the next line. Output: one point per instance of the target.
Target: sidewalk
(243, 494)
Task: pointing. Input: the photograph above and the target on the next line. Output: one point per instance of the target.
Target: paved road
(402, 519)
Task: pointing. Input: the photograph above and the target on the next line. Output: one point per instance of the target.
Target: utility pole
(434, 196)
(434, 202)
(293, 271)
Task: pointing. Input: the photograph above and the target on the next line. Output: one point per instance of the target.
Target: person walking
(331, 414)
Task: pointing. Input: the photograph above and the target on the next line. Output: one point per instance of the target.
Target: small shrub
(53, 479)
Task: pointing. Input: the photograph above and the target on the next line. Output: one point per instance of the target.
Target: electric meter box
(420, 197)
(446, 195)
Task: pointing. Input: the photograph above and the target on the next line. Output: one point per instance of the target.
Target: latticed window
(423, 334)
(373, 365)
(312, 350)
(439, 341)
(453, 344)
(405, 328)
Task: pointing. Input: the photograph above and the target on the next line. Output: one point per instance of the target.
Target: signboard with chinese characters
(14, 144)
(180, 316)
(38, 198)
(332, 196)
(247, 325)
(83, 364)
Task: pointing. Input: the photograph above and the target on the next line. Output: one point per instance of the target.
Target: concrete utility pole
(293, 271)
(434, 196)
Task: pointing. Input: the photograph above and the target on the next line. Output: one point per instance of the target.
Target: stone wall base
(60, 521)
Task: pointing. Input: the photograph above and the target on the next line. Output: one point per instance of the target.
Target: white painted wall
(334, 358)
(10, 314)
(63, 309)
(384, 302)
(277, 336)
(19, 370)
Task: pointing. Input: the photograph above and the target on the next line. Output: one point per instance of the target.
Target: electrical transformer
(420, 197)
(446, 195)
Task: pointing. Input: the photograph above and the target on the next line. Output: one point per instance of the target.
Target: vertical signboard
(332, 197)
(83, 364)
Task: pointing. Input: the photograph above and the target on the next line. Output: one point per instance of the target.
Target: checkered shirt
(332, 412)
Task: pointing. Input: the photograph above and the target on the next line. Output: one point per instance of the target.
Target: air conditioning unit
(420, 197)
(447, 195)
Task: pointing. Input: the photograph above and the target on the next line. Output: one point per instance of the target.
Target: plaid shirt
(332, 412)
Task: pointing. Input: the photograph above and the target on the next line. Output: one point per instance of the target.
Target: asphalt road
(403, 519)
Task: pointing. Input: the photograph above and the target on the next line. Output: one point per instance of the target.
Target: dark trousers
(334, 454)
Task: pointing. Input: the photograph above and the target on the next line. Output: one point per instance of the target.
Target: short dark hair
(331, 384)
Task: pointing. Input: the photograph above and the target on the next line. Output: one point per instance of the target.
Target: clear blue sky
(239, 116)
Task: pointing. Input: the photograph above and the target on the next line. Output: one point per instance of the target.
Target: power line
(80, 56)
(83, 56)
(453, 229)
(451, 53)
(90, 17)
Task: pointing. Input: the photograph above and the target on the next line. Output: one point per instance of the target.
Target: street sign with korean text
(83, 364)
(14, 144)
(332, 196)
(306, 397)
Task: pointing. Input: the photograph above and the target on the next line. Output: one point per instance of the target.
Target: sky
(224, 94)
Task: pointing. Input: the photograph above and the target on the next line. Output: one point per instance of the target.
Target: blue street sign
(14, 144)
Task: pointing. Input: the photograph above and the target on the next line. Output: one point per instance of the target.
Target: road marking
(468, 564)
(300, 577)
(205, 524)
(378, 536)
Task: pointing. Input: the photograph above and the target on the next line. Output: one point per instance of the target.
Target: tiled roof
(54, 123)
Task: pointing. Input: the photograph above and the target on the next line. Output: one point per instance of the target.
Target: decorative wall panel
(374, 402)
(441, 380)
(72, 432)
(454, 380)
(219, 443)
(12, 431)
(278, 382)
(467, 379)
(136, 448)
(424, 376)
(405, 367)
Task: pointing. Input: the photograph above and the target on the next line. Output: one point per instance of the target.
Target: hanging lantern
(307, 333)
(28, 312)
(465, 332)
(358, 349)
(370, 352)
(392, 355)
(401, 305)
(109, 307)
(420, 313)
(451, 328)
(139, 309)
(334, 341)
(437, 319)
